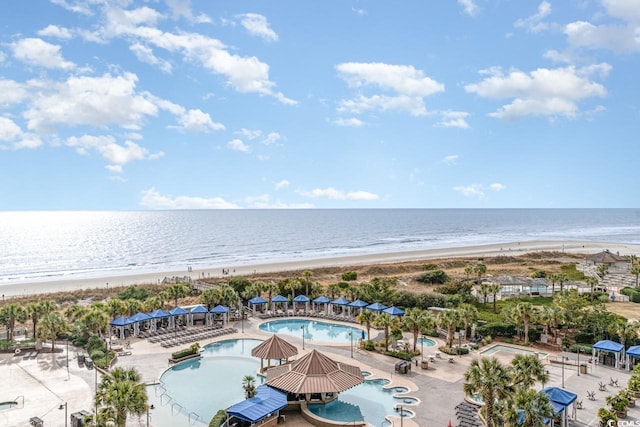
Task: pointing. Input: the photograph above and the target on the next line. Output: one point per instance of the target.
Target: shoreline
(498, 249)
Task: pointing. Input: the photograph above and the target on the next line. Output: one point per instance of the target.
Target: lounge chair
(602, 386)
(591, 395)
(613, 382)
(579, 404)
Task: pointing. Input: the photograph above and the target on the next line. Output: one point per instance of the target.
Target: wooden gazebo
(275, 348)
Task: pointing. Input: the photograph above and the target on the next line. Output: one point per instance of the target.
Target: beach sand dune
(505, 249)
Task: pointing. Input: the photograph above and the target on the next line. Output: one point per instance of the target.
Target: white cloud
(11, 92)
(145, 54)
(34, 51)
(359, 12)
(13, 138)
(152, 199)
(182, 9)
(2, 57)
(198, 121)
(250, 134)
(271, 138)
(116, 155)
(263, 201)
(9, 131)
(497, 186)
(408, 87)
(333, 194)
(56, 31)
(349, 122)
(451, 159)
(257, 25)
(469, 7)
(453, 119)
(473, 190)
(281, 184)
(96, 101)
(534, 22)
(545, 92)
(238, 145)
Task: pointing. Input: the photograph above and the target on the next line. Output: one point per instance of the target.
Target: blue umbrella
(178, 311)
(120, 321)
(159, 314)
(198, 309)
(376, 306)
(301, 298)
(257, 300)
(321, 300)
(358, 303)
(340, 301)
(279, 298)
(394, 311)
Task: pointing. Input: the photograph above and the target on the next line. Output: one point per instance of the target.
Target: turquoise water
(499, 347)
(369, 402)
(425, 342)
(7, 405)
(314, 330)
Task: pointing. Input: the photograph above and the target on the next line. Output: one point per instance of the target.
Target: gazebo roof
(394, 311)
(314, 373)
(257, 301)
(301, 298)
(199, 309)
(606, 257)
(266, 401)
(139, 317)
(177, 311)
(560, 396)
(158, 314)
(608, 345)
(340, 301)
(634, 351)
(358, 303)
(219, 309)
(322, 300)
(274, 348)
(376, 306)
(120, 321)
(279, 298)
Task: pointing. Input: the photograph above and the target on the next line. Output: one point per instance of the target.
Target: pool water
(7, 405)
(369, 402)
(425, 342)
(499, 347)
(191, 392)
(314, 330)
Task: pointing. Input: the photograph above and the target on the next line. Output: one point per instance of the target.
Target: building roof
(314, 373)
(266, 401)
(606, 257)
(274, 348)
(608, 345)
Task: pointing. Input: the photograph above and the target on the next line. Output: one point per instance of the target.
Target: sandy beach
(505, 249)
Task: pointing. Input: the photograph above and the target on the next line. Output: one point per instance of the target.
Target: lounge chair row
(182, 332)
(158, 332)
(29, 355)
(193, 338)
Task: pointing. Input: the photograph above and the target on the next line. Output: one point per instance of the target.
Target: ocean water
(43, 246)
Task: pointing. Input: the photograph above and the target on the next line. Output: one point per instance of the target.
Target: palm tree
(271, 289)
(334, 290)
(116, 307)
(484, 291)
(592, 282)
(494, 290)
(96, 321)
(11, 314)
(51, 325)
(468, 315)
(123, 391)
(417, 320)
(525, 312)
(366, 318)
(152, 303)
(291, 285)
(561, 279)
(385, 321)
(489, 379)
(176, 291)
(480, 269)
(210, 297)
(307, 280)
(554, 278)
(36, 310)
(635, 270)
(468, 271)
(248, 384)
(449, 320)
(526, 369)
(133, 306)
(624, 330)
(527, 408)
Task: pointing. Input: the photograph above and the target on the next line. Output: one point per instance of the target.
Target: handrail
(195, 419)
(16, 400)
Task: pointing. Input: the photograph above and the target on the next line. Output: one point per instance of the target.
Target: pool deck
(44, 383)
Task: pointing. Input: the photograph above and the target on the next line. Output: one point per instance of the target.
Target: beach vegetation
(607, 417)
(385, 322)
(538, 274)
(571, 272)
(122, 391)
(10, 315)
(238, 284)
(417, 320)
(134, 292)
(430, 267)
(349, 276)
(306, 280)
(479, 269)
(489, 379)
(433, 277)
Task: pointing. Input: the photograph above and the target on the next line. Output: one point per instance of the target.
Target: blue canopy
(158, 314)
(321, 300)
(634, 351)
(177, 311)
(219, 309)
(376, 306)
(139, 317)
(301, 298)
(257, 300)
(394, 311)
(266, 401)
(199, 309)
(279, 298)
(560, 396)
(120, 321)
(608, 345)
(358, 303)
(340, 301)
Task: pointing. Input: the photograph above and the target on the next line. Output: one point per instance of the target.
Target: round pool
(314, 330)
(425, 342)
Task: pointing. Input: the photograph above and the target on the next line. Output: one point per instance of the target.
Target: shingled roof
(274, 348)
(606, 257)
(314, 373)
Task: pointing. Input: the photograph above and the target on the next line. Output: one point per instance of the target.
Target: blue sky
(173, 104)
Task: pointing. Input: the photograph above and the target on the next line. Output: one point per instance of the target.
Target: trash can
(583, 369)
(425, 364)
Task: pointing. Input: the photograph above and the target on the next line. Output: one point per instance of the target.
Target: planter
(182, 359)
(621, 414)
(632, 403)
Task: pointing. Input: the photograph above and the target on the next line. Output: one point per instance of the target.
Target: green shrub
(497, 329)
(429, 299)
(455, 351)
(429, 267)
(404, 355)
(433, 277)
(134, 292)
(455, 288)
(97, 354)
(538, 274)
(183, 353)
(534, 335)
(585, 349)
(584, 338)
(368, 345)
(95, 343)
(218, 419)
(349, 276)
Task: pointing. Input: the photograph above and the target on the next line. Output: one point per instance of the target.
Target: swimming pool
(190, 393)
(425, 342)
(499, 347)
(369, 402)
(314, 330)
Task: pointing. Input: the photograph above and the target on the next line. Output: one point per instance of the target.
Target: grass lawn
(485, 312)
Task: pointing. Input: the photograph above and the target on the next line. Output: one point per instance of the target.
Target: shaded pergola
(608, 346)
(340, 302)
(279, 299)
(376, 307)
(357, 304)
(321, 300)
(393, 311)
(275, 348)
(632, 353)
(314, 376)
(200, 311)
(301, 299)
(175, 313)
(255, 301)
(561, 400)
(220, 312)
(121, 323)
(136, 319)
(258, 409)
(157, 315)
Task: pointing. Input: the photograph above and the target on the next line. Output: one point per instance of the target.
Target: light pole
(562, 367)
(578, 360)
(64, 405)
(67, 358)
(422, 348)
(148, 408)
(302, 329)
(351, 338)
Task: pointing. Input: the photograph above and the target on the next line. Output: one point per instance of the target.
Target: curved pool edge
(356, 326)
